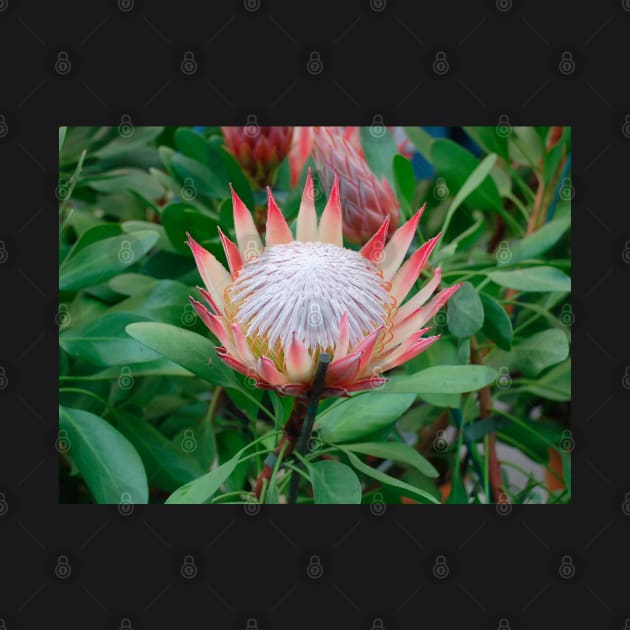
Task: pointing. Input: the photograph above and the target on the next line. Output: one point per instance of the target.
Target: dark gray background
(503, 58)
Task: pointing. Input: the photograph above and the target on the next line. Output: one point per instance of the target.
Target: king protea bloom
(259, 150)
(367, 200)
(284, 303)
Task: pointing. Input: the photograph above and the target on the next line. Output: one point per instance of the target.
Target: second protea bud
(367, 201)
(259, 150)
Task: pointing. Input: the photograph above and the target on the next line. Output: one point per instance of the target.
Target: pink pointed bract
(367, 200)
(283, 303)
(259, 150)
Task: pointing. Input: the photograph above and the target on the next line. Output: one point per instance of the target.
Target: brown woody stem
(296, 431)
(290, 435)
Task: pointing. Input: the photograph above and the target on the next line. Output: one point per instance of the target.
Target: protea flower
(259, 150)
(367, 201)
(282, 304)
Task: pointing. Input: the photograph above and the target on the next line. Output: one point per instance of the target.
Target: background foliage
(148, 413)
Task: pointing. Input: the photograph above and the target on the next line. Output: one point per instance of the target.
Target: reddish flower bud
(259, 150)
(366, 200)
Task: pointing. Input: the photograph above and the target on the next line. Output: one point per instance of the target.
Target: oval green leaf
(167, 466)
(186, 348)
(334, 482)
(405, 181)
(465, 312)
(540, 279)
(105, 342)
(443, 379)
(541, 351)
(179, 217)
(107, 461)
(554, 384)
(205, 181)
(104, 259)
(496, 323)
(540, 241)
(465, 175)
(351, 419)
(93, 235)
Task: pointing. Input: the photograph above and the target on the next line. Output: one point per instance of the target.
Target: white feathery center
(304, 288)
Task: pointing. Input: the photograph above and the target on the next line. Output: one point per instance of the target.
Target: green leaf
(476, 185)
(466, 176)
(465, 312)
(416, 479)
(159, 367)
(229, 443)
(554, 384)
(93, 235)
(123, 180)
(192, 144)
(107, 461)
(526, 146)
(541, 351)
(541, 279)
(204, 180)
(503, 180)
(131, 283)
(167, 466)
(132, 226)
(379, 149)
(404, 488)
(442, 400)
(237, 178)
(334, 482)
(540, 241)
(396, 451)
(84, 308)
(165, 301)
(186, 348)
(466, 239)
(496, 323)
(443, 379)
(359, 416)
(490, 140)
(123, 147)
(405, 181)
(104, 342)
(104, 259)
(421, 140)
(180, 217)
(74, 179)
(202, 489)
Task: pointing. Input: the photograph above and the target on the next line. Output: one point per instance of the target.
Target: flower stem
(311, 411)
(286, 444)
(296, 432)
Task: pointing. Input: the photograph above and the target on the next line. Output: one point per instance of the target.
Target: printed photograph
(315, 315)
